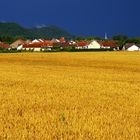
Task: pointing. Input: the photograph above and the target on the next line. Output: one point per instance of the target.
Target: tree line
(121, 39)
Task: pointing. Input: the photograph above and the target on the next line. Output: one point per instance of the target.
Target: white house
(37, 40)
(37, 49)
(132, 47)
(94, 45)
(17, 43)
(20, 47)
(81, 45)
(109, 44)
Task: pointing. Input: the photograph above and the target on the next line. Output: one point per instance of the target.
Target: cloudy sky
(80, 17)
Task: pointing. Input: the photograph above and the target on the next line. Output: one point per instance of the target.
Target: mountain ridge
(47, 32)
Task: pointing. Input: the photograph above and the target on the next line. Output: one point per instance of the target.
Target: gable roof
(128, 45)
(82, 43)
(109, 43)
(138, 45)
(46, 43)
(17, 43)
(55, 40)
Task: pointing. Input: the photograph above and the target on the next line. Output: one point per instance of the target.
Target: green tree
(133, 40)
(79, 38)
(120, 37)
(89, 38)
(7, 39)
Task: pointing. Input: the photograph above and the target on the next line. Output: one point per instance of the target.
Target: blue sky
(80, 17)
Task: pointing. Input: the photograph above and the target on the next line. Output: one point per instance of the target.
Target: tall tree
(89, 38)
(120, 37)
(121, 40)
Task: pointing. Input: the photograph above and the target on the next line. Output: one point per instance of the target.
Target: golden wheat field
(70, 96)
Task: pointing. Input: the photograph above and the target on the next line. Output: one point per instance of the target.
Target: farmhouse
(17, 43)
(47, 45)
(109, 44)
(132, 47)
(37, 46)
(94, 45)
(19, 47)
(97, 45)
(81, 45)
(33, 47)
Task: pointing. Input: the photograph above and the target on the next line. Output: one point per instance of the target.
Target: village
(38, 45)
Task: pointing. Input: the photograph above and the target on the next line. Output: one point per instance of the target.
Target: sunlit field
(70, 96)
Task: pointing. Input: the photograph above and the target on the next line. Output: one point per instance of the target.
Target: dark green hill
(12, 29)
(15, 30)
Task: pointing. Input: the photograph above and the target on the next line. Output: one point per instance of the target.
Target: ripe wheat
(70, 96)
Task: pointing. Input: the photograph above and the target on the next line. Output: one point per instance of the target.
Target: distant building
(37, 46)
(4, 45)
(109, 44)
(94, 45)
(81, 44)
(132, 47)
(17, 43)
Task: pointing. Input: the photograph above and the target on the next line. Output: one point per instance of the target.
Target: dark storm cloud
(83, 17)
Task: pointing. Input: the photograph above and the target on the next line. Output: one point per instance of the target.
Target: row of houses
(41, 44)
(97, 45)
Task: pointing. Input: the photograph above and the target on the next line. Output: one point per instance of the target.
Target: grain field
(70, 96)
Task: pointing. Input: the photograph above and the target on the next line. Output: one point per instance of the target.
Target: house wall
(133, 48)
(34, 49)
(23, 48)
(49, 49)
(94, 45)
(37, 49)
(20, 47)
(106, 47)
(27, 49)
(79, 47)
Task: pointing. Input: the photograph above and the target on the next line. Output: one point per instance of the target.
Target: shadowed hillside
(16, 30)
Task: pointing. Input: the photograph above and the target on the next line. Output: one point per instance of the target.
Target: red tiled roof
(82, 43)
(17, 43)
(38, 44)
(109, 43)
(4, 45)
(128, 45)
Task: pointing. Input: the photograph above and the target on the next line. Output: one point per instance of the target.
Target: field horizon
(70, 96)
